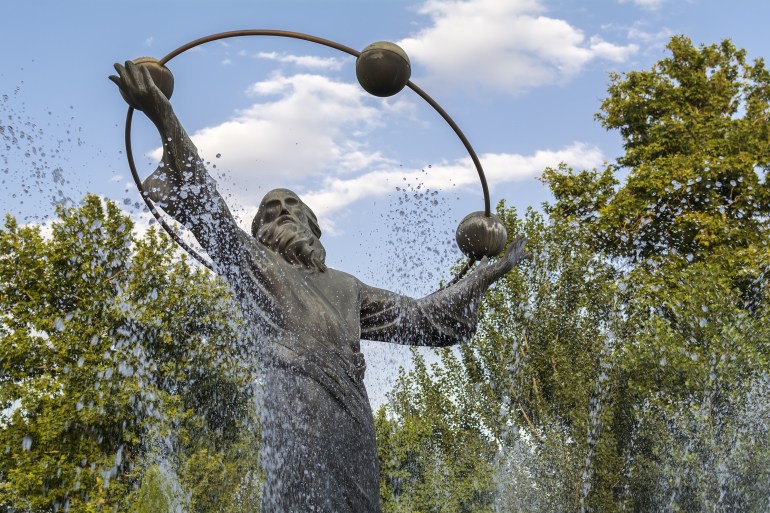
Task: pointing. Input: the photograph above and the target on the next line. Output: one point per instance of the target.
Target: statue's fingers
(512, 247)
(520, 243)
(118, 82)
(132, 69)
(149, 82)
(134, 74)
(120, 77)
(142, 78)
(515, 252)
(126, 75)
(120, 69)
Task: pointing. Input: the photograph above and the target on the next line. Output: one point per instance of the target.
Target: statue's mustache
(285, 219)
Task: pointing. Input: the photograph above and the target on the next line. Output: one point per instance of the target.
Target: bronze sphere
(160, 74)
(480, 236)
(383, 69)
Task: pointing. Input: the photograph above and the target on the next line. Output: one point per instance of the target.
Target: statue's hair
(312, 220)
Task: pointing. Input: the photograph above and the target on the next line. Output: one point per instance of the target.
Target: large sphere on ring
(160, 74)
(479, 236)
(383, 69)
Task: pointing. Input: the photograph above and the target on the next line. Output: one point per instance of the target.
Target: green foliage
(695, 130)
(436, 466)
(157, 492)
(625, 367)
(110, 347)
(519, 392)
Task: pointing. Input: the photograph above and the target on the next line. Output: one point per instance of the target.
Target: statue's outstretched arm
(181, 185)
(443, 318)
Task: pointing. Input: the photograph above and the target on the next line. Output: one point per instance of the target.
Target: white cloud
(651, 41)
(499, 168)
(313, 129)
(305, 125)
(507, 45)
(604, 50)
(45, 227)
(307, 61)
(149, 41)
(651, 5)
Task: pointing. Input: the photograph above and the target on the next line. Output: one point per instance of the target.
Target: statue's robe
(319, 452)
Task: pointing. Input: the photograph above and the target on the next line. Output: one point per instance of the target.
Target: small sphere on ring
(383, 69)
(480, 236)
(160, 74)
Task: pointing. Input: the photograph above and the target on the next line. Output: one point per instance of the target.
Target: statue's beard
(294, 242)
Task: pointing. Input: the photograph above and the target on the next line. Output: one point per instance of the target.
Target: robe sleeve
(446, 317)
(185, 190)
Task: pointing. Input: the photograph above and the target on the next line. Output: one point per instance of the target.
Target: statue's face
(287, 226)
(283, 204)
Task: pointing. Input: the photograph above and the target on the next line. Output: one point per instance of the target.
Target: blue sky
(523, 79)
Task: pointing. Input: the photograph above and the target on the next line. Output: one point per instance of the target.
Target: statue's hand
(138, 88)
(514, 254)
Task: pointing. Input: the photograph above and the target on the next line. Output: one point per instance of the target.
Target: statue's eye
(272, 209)
(291, 201)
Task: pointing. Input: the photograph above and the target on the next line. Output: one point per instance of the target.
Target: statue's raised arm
(181, 185)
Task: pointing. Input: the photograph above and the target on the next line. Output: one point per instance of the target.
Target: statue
(319, 451)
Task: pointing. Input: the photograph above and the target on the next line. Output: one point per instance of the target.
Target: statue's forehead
(279, 194)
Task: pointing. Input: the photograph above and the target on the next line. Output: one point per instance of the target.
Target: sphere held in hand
(160, 74)
(383, 69)
(480, 236)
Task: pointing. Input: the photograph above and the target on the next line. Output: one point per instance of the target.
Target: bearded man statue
(318, 446)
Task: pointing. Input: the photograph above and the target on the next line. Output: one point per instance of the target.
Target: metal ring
(293, 35)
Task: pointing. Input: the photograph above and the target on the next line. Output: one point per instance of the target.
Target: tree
(111, 347)
(626, 367)
(690, 222)
(516, 398)
(695, 129)
(435, 457)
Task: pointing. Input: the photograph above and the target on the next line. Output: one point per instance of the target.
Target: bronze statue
(319, 451)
